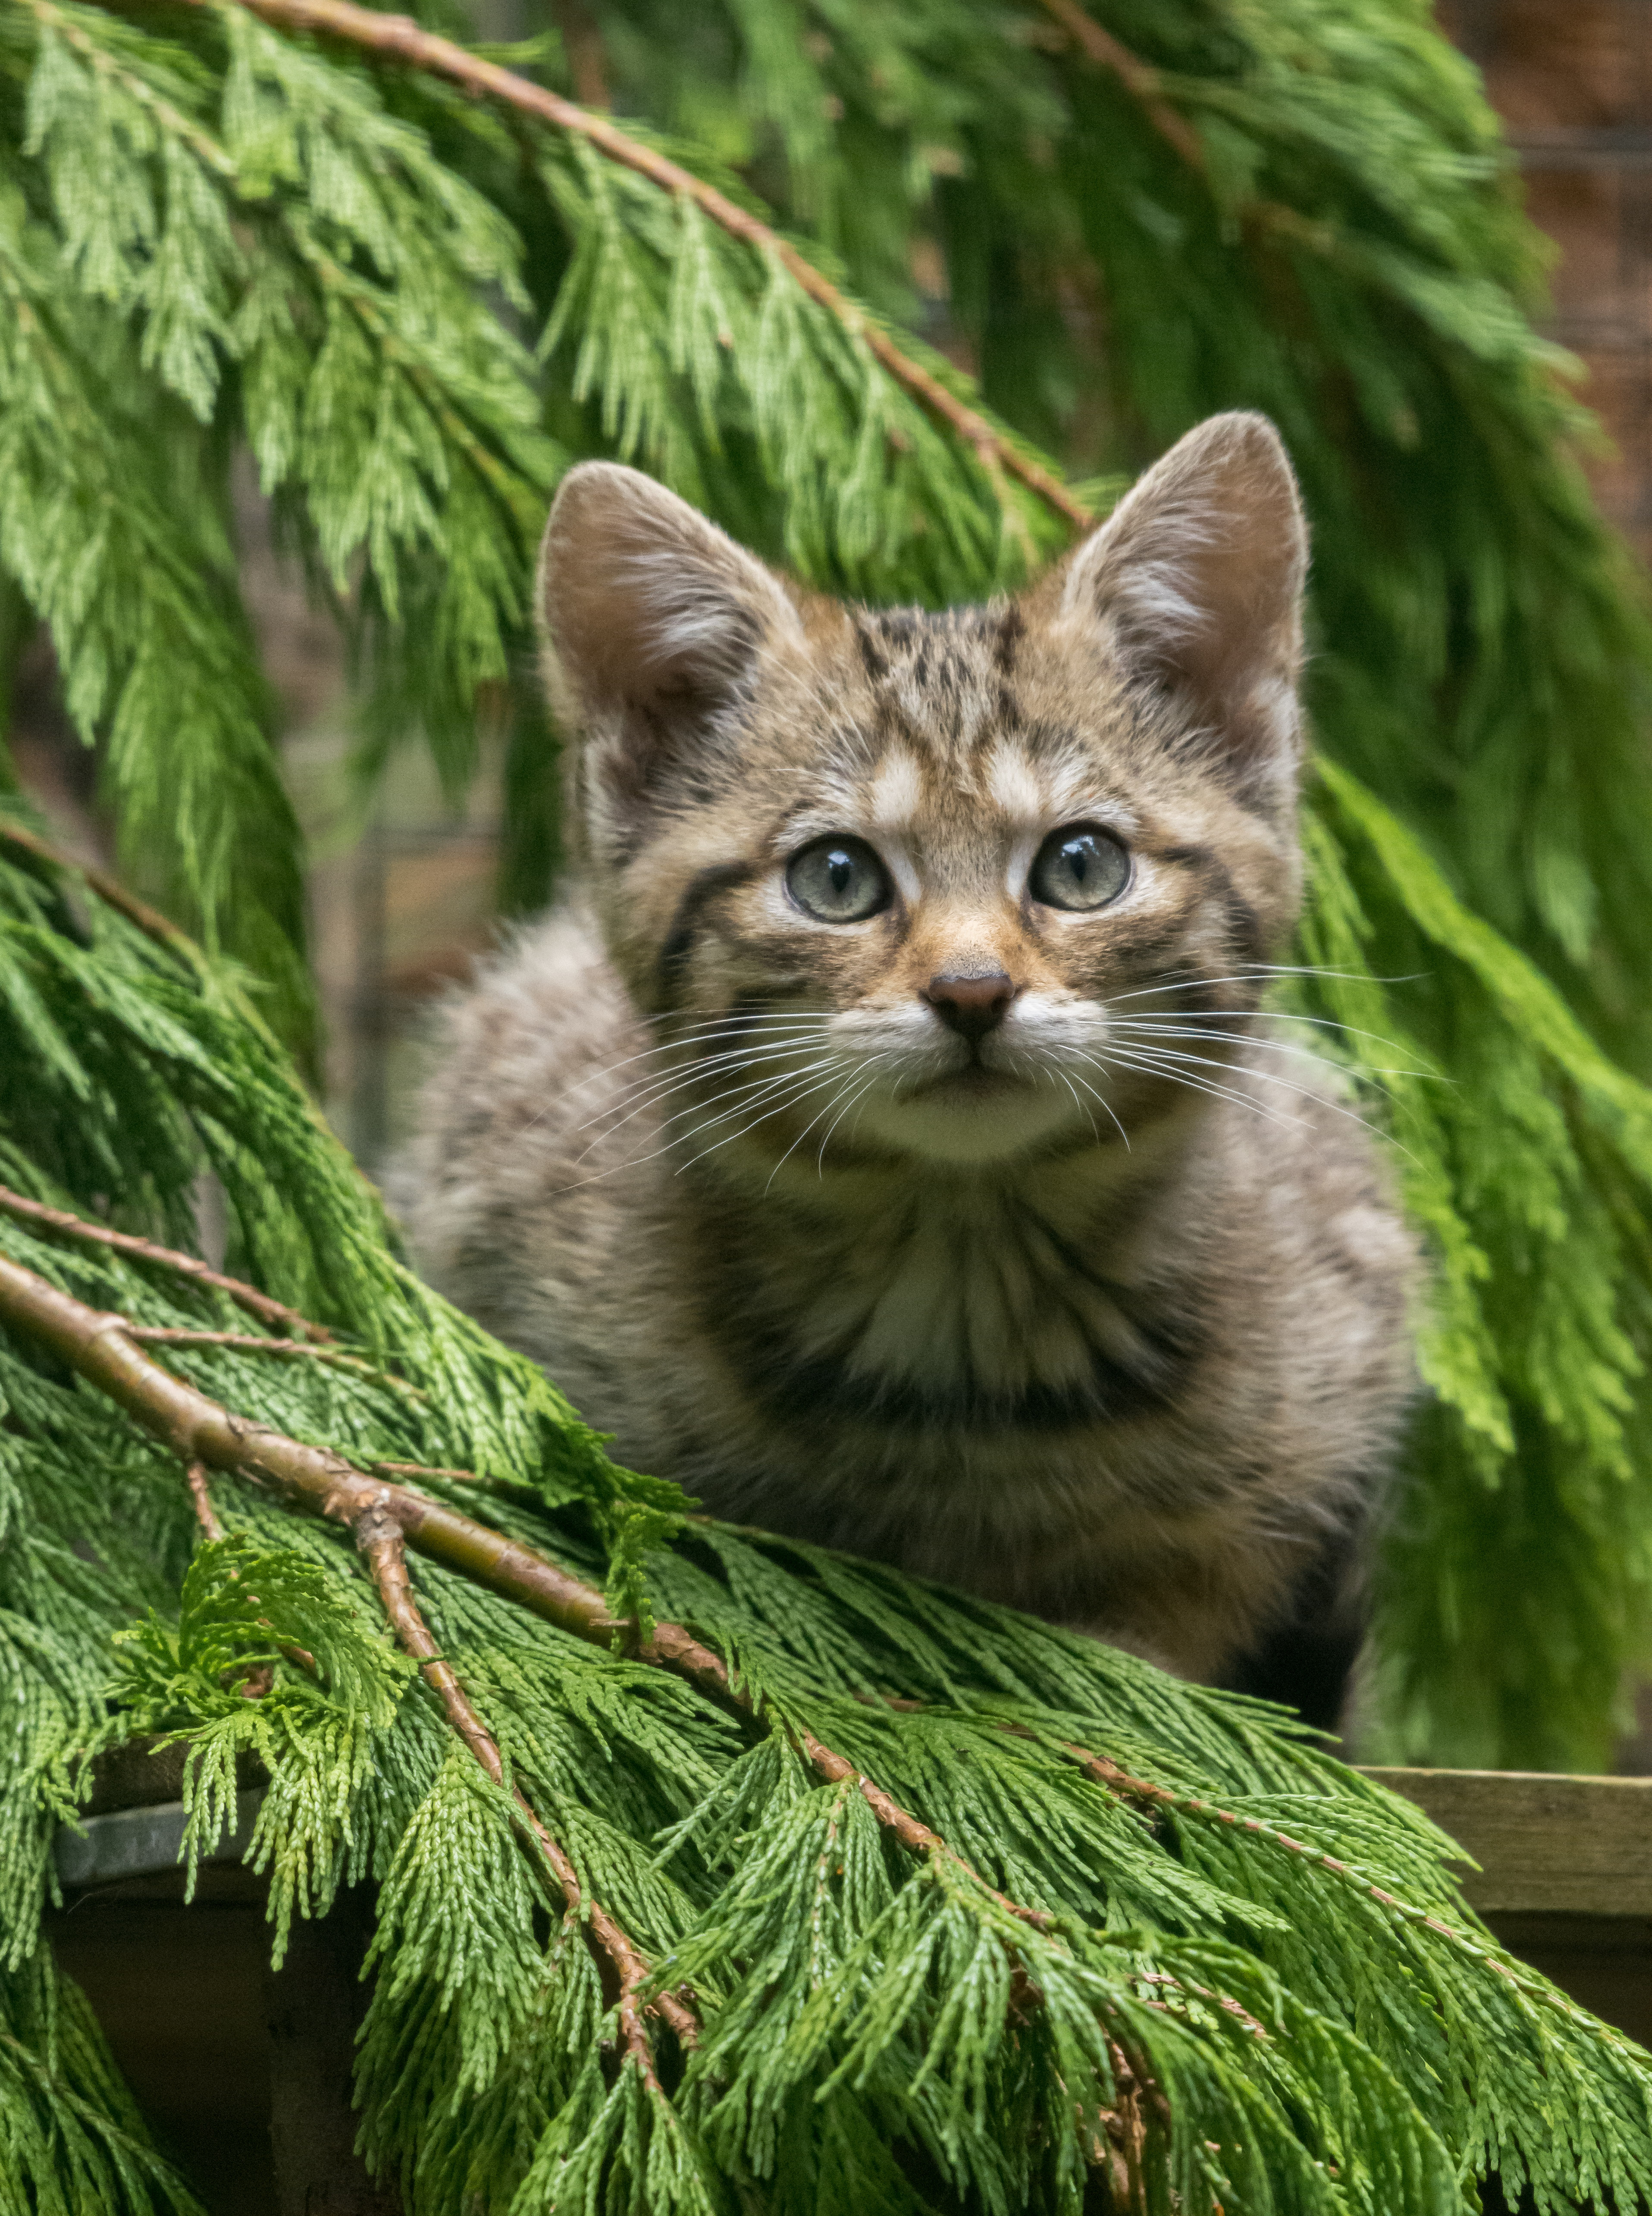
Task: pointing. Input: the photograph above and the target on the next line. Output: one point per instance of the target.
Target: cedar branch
(104, 1348)
(398, 38)
(148, 919)
(101, 1348)
(145, 1250)
(379, 1536)
(1138, 76)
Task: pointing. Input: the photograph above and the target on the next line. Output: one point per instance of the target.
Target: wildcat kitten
(885, 1143)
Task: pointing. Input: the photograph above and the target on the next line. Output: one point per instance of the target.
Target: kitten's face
(913, 884)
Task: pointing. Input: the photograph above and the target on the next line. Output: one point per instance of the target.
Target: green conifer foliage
(412, 307)
(910, 1904)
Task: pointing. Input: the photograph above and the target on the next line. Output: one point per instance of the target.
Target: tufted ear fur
(653, 620)
(1197, 579)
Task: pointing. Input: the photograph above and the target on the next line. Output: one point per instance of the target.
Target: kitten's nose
(970, 1005)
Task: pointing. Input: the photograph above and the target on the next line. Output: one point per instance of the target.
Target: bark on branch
(102, 1348)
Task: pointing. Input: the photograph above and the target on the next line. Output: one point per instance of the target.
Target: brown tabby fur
(1116, 1338)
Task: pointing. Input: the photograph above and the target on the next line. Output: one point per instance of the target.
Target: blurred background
(403, 888)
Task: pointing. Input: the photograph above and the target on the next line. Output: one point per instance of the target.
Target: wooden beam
(1546, 1845)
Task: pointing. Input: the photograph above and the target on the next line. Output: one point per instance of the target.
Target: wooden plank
(1546, 1845)
(139, 1840)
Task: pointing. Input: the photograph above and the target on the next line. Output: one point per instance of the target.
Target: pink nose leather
(970, 1005)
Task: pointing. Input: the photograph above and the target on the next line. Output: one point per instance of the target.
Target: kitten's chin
(973, 1117)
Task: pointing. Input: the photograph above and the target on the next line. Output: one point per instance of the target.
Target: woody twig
(379, 1536)
(101, 1348)
(145, 1250)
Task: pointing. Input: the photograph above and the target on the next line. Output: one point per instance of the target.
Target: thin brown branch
(1141, 1788)
(1121, 1782)
(379, 1536)
(428, 1469)
(169, 1258)
(398, 38)
(1146, 83)
(250, 1342)
(148, 919)
(1138, 76)
(588, 60)
(105, 1349)
(206, 1515)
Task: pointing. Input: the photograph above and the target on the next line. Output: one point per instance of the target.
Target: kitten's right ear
(1197, 578)
(653, 620)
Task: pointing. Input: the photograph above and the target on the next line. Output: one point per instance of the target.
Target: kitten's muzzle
(972, 1006)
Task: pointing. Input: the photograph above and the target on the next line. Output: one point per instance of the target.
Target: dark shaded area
(1306, 1661)
(242, 2072)
(314, 2005)
(180, 1994)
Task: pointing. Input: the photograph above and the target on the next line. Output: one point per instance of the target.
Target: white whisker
(682, 1085)
(636, 1162)
(773, 1108)
(1268, 1016)
(660, 1087)
(1264, 1077)
(731, 1027)
(1104, 1103)
(876, 1059)
(1157, 1029)
(826, 1135)
(1155, 1068)
(1263, 969)
(1095, 1128)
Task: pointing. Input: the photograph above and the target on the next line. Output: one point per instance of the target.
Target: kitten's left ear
(1197, 578)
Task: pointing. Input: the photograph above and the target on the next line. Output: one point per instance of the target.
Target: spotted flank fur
(885, 1141)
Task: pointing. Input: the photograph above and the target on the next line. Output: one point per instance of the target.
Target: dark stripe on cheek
(1143, 947)
(1244, 930)
(701, 888)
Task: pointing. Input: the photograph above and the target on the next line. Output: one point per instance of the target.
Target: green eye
(1081, 867)
(838, 881)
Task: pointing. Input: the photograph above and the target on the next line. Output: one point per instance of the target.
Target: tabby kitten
(885, 1143)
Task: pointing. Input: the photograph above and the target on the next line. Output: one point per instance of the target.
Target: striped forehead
(907, 785)
(954, 648)
(938, 727)
(942, 678)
